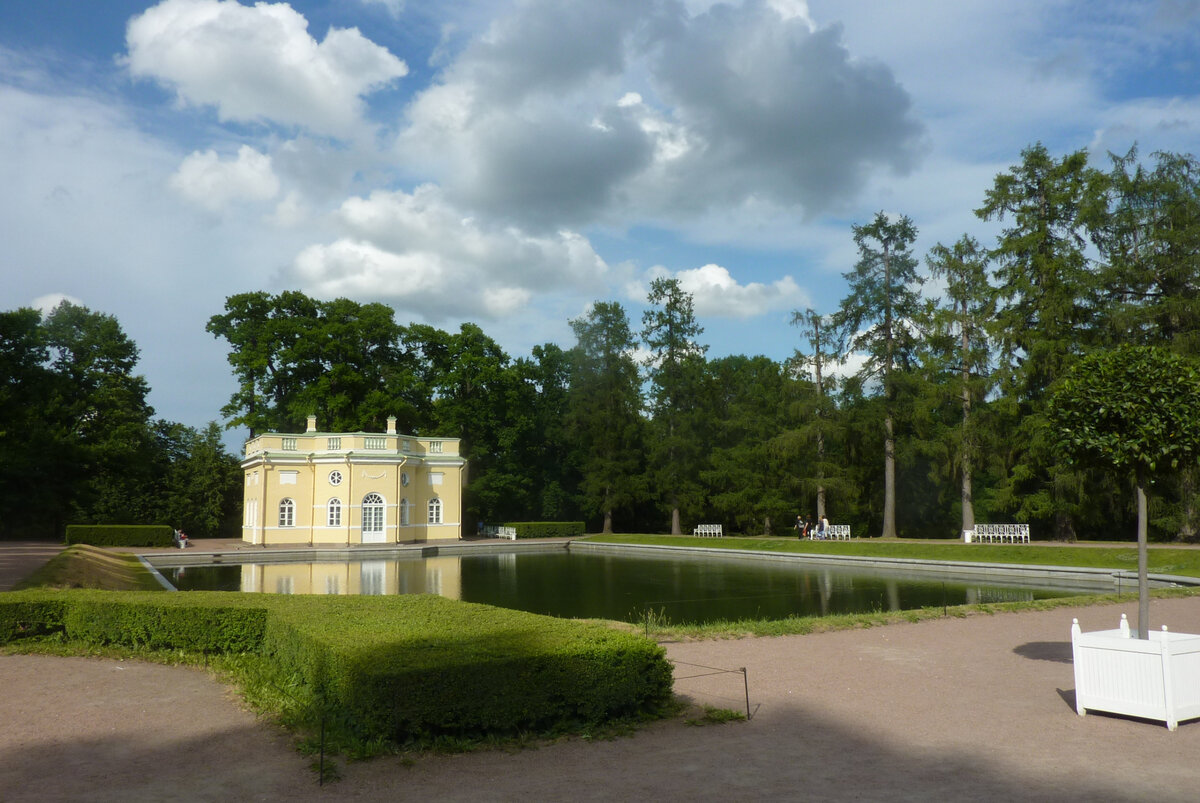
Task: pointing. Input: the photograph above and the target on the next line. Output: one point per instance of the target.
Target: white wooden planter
(1156, 678)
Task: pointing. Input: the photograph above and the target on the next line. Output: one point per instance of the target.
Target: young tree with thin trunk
(824, 348)
(879, 310)
(1135, 409)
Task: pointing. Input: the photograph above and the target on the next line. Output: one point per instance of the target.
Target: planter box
(1156, 678)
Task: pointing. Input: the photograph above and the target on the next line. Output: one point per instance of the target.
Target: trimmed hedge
(393, 668)
(547, 529)
(121, 534)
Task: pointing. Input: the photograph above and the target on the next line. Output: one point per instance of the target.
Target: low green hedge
(547, 529)
(121, 534)
(392, 668)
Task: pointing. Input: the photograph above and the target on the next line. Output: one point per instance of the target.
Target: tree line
(946, 423)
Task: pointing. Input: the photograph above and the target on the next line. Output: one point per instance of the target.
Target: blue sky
(508, 163)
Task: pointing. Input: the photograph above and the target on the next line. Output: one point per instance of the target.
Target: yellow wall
(302, 467)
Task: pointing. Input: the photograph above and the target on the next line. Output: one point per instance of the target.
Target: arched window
(372, 513)
(405, 512)
(287, 513)
(435, 511)
(334, 511)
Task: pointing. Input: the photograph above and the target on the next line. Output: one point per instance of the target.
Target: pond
(678, 588)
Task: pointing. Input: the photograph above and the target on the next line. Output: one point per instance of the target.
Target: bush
(121, 534)
(547, 529)
(381, 668)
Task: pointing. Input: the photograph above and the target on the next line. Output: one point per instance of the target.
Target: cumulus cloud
(576, 111)
(715, 293)
(48, 303)
(423, 255)
(204, 179)
(259, 64)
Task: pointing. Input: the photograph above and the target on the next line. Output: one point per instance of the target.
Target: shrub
(121, 534)
(547, 529)
(381, 668)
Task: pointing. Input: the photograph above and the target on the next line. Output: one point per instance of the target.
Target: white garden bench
(997, 534)
(708, 531)
(493, 531)
(835, 532)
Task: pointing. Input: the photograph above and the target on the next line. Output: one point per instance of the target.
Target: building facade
(343, 488)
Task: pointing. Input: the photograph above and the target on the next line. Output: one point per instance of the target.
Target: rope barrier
(718, 671)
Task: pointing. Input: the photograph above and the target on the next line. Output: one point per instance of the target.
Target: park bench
(708, 531)
(997, 534)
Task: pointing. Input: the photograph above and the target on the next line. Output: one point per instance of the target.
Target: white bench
(835, 532)
(997, 534)
(708, 531)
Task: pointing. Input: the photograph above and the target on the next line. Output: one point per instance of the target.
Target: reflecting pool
(681, 588)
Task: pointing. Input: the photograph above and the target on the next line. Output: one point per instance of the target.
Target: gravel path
(980, 708)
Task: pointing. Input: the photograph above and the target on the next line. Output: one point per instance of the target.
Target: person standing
(823, 528)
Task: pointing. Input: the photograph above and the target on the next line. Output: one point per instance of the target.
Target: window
(435, 511)
(372, 513)
(334, 511)
(287, 513)
(404, 478)
(335, 478)
(405, 445)
(405, 512)
(436, 477)
(289, 444)
(374, 443)
(251, 512)
(334, 444)
(435, 447)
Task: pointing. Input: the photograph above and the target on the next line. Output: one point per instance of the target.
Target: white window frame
(435, 511)
(405, 512)
(287, 512)
(333, 511)
(373, 513)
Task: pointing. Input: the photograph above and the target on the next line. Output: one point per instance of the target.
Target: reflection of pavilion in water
(436, 575)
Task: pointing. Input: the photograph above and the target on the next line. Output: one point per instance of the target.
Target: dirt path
(958, 709)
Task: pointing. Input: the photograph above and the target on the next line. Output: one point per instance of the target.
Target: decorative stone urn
(1156, 678)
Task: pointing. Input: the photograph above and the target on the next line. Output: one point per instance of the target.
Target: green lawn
(1162, 559)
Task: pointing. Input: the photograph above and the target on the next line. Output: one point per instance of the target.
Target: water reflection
(584, 585)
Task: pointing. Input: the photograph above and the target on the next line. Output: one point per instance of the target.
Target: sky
(510, 163)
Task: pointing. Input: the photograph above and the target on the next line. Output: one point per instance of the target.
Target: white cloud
(204, 179)
(715, 293)
(259, 64)
(424, 255)
(47, 303)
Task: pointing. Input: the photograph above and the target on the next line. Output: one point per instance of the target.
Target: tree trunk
(766, 525)
(675, 529)
(1188, 529)
(889, 479)
(968, 503)
(1143, 588)
(607, 522)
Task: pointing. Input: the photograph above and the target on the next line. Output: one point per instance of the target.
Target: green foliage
(1135, 408)
(547, 529)
(151, 535)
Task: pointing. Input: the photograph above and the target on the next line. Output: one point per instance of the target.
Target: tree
(1135, 409)
(676, 366)
(879, 311)
(1046, 317)
(201, 485)
(824, 341)
(604, 411)
(972, 305)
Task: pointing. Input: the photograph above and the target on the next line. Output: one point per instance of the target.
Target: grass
(83, 566)
(1182, 561)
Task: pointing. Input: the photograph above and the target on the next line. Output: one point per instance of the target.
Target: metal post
(746, 683)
